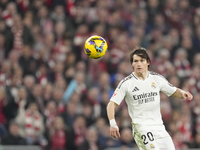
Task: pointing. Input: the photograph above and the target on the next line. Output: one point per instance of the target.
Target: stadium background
(56, 97)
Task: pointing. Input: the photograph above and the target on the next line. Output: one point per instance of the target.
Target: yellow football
(95, 47)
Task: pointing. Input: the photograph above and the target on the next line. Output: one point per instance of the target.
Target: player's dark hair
(142, 52)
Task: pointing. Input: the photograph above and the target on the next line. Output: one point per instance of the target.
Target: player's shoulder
(124, 80)
(156, 75)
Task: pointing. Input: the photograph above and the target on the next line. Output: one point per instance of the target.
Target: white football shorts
(153, 140)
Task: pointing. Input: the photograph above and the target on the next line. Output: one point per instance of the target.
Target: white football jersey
(143, 97)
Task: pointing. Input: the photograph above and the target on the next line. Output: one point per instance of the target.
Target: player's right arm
(114, 130)
(115, 100)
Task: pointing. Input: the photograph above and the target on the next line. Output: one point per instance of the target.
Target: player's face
(139, 64)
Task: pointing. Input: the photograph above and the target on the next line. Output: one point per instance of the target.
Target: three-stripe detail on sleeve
(125, 79)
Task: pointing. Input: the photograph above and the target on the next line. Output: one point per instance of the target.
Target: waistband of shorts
(138, 127)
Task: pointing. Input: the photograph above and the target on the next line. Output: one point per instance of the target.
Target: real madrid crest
(153, 85)
(152, 146)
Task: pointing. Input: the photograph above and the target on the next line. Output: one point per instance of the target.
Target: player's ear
(148, 62)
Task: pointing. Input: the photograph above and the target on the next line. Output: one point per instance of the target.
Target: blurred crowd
(53, 95)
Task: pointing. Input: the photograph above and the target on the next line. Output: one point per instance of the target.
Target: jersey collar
(138, 78)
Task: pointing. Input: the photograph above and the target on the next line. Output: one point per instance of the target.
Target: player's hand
(114, 132)
(187, 95)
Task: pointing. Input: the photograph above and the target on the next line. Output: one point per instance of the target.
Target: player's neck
(141, 76)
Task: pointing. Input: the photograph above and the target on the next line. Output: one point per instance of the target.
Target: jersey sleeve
(119, 93)
(166, 87)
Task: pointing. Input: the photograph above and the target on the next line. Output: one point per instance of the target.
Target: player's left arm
(182, 94)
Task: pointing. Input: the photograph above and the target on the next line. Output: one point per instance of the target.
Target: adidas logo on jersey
(135, 89)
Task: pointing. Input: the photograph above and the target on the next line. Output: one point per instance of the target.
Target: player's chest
(143, 92)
